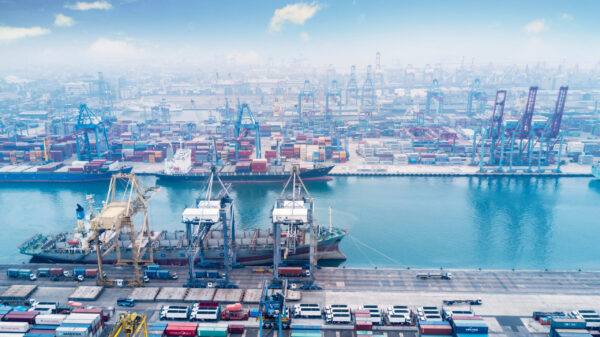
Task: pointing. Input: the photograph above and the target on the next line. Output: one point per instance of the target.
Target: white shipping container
(14, 326)
(575, 147)
(63, 331)
(49, 319)
(4, 334)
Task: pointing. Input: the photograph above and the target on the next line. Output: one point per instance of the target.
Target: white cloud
(566, 17)
(86, 6)
(296, 14)
(304, 36)
(104, 47)
(243, 58)
(14, 33)
(61, 20)
(536, 26)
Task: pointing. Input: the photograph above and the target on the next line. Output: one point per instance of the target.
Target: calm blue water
(519, 223)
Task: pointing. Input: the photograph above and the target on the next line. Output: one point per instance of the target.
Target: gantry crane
(550, 134)
(378, 71)
(436, 93)
(352, 87)
(334, 93)
(132, 324)
(90, 123)
(246, 121)
(367, 97)
(117, 218)
(476, 94)
(272, 311)
(306, 95)
(523, 133)
(295, 211)
(211, 211)
(492, 134)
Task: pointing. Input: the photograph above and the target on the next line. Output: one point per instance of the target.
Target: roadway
(396, 280)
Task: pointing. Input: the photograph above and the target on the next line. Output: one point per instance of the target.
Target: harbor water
(450, 222)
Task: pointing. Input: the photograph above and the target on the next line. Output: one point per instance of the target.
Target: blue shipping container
(306, 327)
(568, 324)
(470, 327)
(434, 323)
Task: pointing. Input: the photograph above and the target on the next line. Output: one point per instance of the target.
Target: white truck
(174, 312)
(307, 311)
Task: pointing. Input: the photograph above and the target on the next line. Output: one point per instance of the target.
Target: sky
(57, 33)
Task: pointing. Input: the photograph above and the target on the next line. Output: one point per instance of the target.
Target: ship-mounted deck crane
(523, 133)
(551, 133)
(211, 211)
(306, 97)
(434, 93)
(295, 212)
(246, 121)
(478, 95)
(116, 219)
(273, 313)
(131, 324)
(90, 123)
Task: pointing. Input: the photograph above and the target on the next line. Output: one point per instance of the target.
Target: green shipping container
(211, 332)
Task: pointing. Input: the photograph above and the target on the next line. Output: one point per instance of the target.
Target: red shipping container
(235, 328)
(363, 326)
(435, 329)
(181, 329)
(91, 272)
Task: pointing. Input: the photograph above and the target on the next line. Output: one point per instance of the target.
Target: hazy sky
(91, 33)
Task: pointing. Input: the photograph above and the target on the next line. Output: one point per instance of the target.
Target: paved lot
(509, 297)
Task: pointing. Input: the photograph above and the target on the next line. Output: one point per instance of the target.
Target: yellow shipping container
(342, 154)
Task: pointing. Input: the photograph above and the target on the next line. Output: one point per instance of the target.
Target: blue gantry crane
(476, 94)
(334, 93)
(367, 97)
(246, 121)
(294, 211)
(434, 93)
(88, 123)
(352, 87)
(307, 96)
(273, 314)
(213, 210)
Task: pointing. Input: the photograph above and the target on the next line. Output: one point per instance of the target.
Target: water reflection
(509, 214)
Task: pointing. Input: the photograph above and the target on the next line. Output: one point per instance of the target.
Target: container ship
(76, 172)
(180, 168)
(253, 247)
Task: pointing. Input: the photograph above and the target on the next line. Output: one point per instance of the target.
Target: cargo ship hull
(316, 174)
(58, 177)
(172, 251)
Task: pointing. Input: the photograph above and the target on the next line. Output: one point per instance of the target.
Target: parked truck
(81, 273)
(26, 274)
(441, 276)
(157, 273)
(234, 312)
(54, 274)
(293, 272)
(477, 301)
